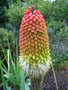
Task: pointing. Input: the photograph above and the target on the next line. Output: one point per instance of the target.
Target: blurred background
(55, 13)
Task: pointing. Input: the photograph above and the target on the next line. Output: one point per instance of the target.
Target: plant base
(36, 83)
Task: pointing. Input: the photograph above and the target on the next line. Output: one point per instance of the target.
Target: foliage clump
(15, 13)
(5, 37)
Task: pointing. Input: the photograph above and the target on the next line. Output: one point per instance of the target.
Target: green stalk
(36, 83)
(8, 60)
(16, 53)
(54, 76)
(42, 82)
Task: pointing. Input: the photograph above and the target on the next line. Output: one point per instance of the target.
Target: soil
(62, 79)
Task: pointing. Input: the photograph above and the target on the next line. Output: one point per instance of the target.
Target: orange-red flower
(33, 38)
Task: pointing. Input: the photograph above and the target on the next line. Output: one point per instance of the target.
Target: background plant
(5, 36)
(15, 13)
(13, 78)
(3, 16)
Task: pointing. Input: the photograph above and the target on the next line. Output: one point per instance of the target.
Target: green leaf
(16, 53)
(9, 88)
(6, 76)
(12, 80)
(12, 66)
(4, 67)
(28, 82)
(11, 61)
(22, 85)
(3, 81)
(26, 87)
(4, 71)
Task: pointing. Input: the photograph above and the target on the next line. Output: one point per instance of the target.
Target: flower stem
(54, 77)
(36, 83)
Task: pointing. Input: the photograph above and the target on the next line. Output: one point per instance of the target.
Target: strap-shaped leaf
(22, 85)
(3, 81)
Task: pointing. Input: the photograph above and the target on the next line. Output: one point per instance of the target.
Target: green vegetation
(3, 7)
(15, 13)
(11, 13)
(5, 36)
(13, 77)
